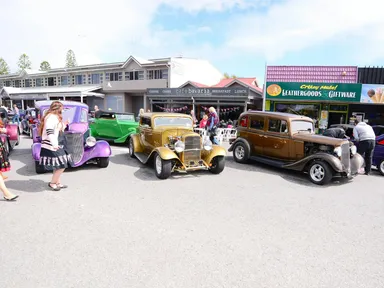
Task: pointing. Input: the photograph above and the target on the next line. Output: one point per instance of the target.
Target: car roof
(285, 116)
(118, 113)
(164, 114)
(44, 103)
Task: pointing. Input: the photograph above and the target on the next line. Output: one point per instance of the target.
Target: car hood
(175, 131)
(319, 139)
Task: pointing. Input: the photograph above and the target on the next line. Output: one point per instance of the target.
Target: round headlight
(179, 146)
(91, 141)
(207, 145)
(353, 150)
(337, 151)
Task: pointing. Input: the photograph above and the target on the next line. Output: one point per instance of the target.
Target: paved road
(251, 226)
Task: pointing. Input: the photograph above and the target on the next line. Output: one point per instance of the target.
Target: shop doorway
(336, 118)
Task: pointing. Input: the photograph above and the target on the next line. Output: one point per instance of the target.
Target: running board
(143, 158)
(268, 161)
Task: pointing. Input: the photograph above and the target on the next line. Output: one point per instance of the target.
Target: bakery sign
(338, 92)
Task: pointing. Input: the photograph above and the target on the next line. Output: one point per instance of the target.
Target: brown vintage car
(288, 141)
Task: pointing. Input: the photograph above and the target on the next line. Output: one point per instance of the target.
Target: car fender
(36, 148)
(207, 156)
(12, 132)
(165, 153)
(239, 140)
(138, 147)
(333, 161)
(124, 138)
(35, 135)
(101, 149)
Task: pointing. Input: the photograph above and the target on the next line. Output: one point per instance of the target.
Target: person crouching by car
(366, 137)
(337, 132)
(213, 121)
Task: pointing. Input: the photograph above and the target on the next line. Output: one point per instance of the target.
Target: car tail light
(381, 142)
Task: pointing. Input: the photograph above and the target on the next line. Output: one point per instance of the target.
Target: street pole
(265, 86)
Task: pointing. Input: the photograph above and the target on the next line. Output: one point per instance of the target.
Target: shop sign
(175, 92)
(28, 97)
(313, 91)
(372, 93)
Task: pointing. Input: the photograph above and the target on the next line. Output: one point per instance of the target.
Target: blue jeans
(16, 117)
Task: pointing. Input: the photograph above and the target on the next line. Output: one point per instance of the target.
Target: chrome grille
(191, 153)
(75, 144)
(345, 157)
(192, 142)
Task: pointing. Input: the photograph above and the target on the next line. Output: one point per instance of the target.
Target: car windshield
(173, 121)
(299, 125)
(68, 113)
(125, 117)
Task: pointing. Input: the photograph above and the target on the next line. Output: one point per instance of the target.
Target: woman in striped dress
(52, 155)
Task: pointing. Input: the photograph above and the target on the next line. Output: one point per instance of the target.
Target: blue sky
(237, 36)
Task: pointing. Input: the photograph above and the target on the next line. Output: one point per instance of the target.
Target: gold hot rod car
(169, 139)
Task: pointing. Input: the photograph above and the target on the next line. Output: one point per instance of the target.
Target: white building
(119, 86)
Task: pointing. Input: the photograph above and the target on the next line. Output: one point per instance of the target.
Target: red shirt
(203, 122)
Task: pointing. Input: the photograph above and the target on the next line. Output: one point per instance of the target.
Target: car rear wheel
(163, 168)
(103, 162)
(131, 148)
(39, 168)
(217, 165)
(381, 167)
(320, 172)
(241, 152)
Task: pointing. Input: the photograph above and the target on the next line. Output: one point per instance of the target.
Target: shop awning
(42, 93)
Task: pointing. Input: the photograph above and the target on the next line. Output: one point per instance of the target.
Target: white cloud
(295, 25)
(96, 30)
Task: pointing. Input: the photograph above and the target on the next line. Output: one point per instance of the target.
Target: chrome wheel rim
(158, 164)
(382, 166)
(317, 172)
(239, 152)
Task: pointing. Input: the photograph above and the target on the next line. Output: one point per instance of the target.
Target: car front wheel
(103, 162)
(217, 165)
(320, 172)
(163, 168)
(241, 152)
(381, 167)
(131, 148)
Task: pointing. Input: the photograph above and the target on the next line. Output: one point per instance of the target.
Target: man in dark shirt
(337, 132)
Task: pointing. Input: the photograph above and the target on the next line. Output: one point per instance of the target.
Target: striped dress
(52, 155)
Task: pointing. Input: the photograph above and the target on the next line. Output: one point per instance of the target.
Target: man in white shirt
(364, 134)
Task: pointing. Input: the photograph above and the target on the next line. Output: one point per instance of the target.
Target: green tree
(45, 66)
(71, 59)
(24, 62)
(4, 68)
(227, 76)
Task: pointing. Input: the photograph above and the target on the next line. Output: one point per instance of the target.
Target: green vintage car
(113, 126)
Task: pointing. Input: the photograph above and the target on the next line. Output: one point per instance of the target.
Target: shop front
(228, 102)
(325, 103)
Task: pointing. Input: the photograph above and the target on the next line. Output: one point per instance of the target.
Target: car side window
(145, 122)
(84, 116)
(257, 122)
(243, 122)
(278, 126)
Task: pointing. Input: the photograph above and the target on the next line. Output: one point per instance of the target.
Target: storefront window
(309, 110)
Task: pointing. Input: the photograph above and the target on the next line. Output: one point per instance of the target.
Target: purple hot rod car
(12, 137)
(85, 148)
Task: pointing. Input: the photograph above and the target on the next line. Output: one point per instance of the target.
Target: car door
(256, 134)
(277, 141)
(146, 134)
(106, 125)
